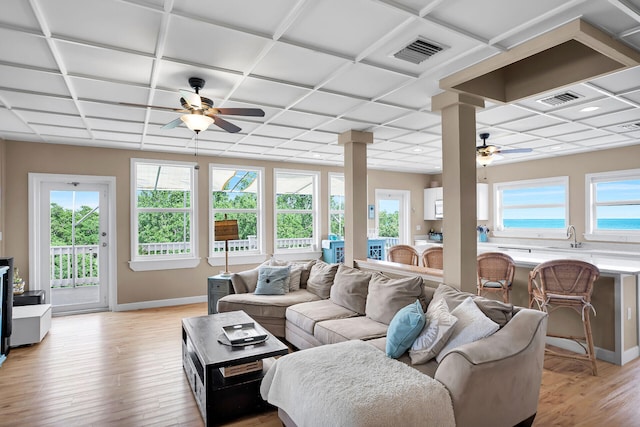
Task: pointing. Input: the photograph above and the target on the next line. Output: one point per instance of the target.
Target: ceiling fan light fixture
(484, 160)
(197, 122)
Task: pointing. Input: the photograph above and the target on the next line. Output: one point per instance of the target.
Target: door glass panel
(389, 220)
(74, 259)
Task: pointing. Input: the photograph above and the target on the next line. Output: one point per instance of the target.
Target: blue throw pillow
(273, 280)
(404, 329)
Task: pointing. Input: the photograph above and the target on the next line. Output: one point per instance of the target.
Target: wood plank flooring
(125, 369)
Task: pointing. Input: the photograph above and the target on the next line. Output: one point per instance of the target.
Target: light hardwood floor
(125, 369)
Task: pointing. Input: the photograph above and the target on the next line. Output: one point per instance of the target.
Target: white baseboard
(631, 354)
(160, 303)
(601, 354)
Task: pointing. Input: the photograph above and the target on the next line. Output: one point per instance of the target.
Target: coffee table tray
(244, 334)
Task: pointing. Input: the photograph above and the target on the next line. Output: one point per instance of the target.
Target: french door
(72, 242)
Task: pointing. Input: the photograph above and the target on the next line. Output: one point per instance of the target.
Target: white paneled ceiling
(316, 67)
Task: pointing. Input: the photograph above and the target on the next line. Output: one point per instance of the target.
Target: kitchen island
(616, 295)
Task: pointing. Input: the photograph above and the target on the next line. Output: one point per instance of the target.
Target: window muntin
(295, 210)
(163, 219)
(613, 204)
(532, 206)
(236, 193)
(336, 205)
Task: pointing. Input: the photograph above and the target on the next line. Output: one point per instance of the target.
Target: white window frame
(295, 253)
(238, 258)
(549, 233)
(334, 211)
(591, 233)
(172, 261)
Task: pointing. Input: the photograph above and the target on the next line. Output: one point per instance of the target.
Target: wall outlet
(628, 313)
(418, 227)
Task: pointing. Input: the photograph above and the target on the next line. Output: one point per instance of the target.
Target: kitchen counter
(616, 296)
(609, 262)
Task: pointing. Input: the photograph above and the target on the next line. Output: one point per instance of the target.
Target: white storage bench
(30, 324)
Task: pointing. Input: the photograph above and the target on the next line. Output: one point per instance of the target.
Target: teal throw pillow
(404, 329)
(272, 280)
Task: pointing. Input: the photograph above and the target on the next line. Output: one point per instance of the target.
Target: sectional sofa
(492, 381)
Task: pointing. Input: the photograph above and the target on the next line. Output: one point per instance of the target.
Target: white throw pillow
(472, 325)
(434, 335)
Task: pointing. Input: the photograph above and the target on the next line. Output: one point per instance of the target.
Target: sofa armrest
(497, 379)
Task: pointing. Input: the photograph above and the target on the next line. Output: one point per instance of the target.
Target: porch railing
(67, 273)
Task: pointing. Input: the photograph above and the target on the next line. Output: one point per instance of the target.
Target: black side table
(217, 287)
(28, 298)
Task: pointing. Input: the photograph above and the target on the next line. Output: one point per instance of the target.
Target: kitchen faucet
(571, 231)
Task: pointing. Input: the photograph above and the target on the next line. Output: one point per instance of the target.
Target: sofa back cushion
(350, 287)
(497, 311)
(387, 296)
(321, 278)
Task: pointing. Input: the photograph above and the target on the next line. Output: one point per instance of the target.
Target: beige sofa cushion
(264, 305)
(306, 315)
(387, 296)
(354, 328)
(350, 287)
(497, 311)
(321, 278)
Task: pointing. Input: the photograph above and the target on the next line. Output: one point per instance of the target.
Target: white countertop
(608, 261)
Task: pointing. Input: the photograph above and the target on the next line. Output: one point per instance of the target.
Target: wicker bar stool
(566, 283)
(495, 273)
(432, 257)
(403, 254)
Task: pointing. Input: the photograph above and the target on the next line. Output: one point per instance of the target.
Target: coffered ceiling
(316, 67)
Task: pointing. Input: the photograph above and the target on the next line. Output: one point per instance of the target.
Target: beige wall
(22, 158)
(575, 167)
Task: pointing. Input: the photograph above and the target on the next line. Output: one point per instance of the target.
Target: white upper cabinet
(433, 202)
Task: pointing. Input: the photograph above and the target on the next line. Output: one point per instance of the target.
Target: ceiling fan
(199, 112)
(484, 152)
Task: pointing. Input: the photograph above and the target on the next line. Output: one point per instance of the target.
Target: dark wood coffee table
(221, 399)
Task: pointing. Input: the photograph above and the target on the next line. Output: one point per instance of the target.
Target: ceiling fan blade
(222, 123)
(172, 124)
(515, 150)
(193, 99)
(254, 112)
(180, 110)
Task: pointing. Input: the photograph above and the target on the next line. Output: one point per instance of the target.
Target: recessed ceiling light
(555, 147)
(316, 155)
(417, 150)
(587, 109)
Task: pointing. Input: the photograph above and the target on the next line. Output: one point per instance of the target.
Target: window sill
(602, 237)
(295, 255)
(163, 264)
(236, 259)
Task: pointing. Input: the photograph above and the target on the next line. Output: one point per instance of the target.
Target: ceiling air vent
(631, 126)
(559, 99)
(418, 51)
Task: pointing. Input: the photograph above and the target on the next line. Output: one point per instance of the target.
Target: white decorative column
(459, 187)
(355, 194)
